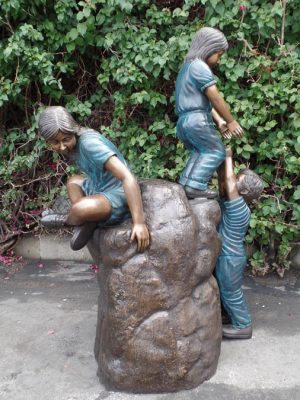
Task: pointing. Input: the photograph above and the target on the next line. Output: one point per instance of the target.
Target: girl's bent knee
(75, 179)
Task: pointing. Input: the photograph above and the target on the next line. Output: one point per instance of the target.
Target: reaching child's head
(206, 42)
(249, 184)
(57, 119)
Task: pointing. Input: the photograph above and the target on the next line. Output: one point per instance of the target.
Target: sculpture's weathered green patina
(234, 190)
(107, 192)
(196, 94)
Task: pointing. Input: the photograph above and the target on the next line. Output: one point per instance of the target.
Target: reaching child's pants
(196, 130)
(229, 273)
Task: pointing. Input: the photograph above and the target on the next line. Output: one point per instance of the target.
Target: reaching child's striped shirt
(233, 226)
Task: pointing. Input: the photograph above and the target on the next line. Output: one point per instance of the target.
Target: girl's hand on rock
(140, 232)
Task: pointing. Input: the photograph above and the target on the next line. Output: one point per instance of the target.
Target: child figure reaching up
(236, 192)
(198, 102)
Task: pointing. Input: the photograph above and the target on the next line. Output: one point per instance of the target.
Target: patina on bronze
(159, 321)
(107, 194)
(198, 103)
(234, 192)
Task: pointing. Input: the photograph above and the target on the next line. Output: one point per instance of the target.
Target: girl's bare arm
(222, 109)
(132, 192)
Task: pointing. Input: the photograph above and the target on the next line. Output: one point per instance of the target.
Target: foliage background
(113, 64)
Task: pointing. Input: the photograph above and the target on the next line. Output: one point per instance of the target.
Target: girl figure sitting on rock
(196, 94)
(108, 192)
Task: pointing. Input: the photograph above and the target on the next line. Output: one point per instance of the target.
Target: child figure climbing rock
(107, 194)
(198, 102)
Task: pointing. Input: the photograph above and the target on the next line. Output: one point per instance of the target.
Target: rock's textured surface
(159, 323)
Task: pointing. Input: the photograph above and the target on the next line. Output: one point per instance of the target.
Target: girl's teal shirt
(92, 152)
(193, 78)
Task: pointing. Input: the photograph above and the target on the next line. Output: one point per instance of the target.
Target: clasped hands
(231, 129)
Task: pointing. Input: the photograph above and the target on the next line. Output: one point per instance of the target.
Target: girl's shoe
(82, 235)
(53, 220)
(192, 193)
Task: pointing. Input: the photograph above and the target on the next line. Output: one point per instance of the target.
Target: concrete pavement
(48, 317)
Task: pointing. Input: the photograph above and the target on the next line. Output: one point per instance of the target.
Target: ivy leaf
(296, 194)
(297, 122)
(214, 3)
(80, 16)
(73, 34)
(82, 27)
(248, 147)
(297, 145)
(270, 124)
(108, 41)
(126, 6)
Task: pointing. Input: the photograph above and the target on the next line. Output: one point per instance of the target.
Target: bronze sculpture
(234, 192)
(108, 192)
(159, 321)
(196, 94)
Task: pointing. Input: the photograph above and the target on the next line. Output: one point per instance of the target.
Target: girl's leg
(75, 193)
(188, 168)
(86, 213)
(208, 151)
(92, 208)
(211, 154)
(204, 167)
(74, 190)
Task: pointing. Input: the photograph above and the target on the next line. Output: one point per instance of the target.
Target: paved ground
(47, 330)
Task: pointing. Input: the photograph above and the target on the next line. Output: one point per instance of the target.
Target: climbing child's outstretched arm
(222, 109)
(230, 182)
(221, 181)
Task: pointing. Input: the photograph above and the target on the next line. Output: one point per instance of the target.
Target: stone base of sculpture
(159, 321)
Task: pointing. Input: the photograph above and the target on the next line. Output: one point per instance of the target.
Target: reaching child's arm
(221, 181)
(132, 192)
(221, 107)
(230, 183)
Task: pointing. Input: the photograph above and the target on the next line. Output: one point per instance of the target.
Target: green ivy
(113, 64)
